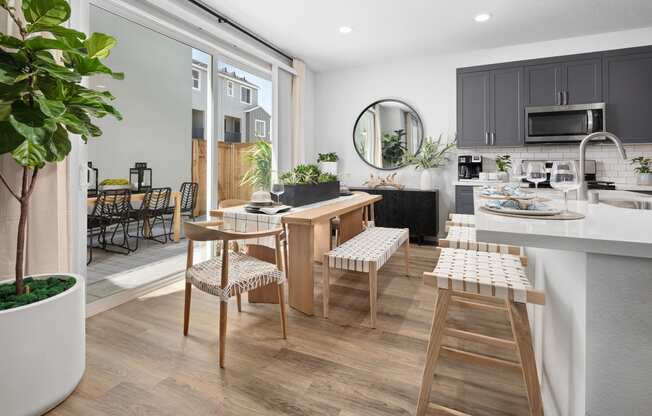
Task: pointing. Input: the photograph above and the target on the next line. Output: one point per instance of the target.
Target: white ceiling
(389, 29)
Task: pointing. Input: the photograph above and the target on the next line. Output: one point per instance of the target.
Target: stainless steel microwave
(563, 123)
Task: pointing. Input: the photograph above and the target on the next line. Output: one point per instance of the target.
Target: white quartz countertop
(605, 229)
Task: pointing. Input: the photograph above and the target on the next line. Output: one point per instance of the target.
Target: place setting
(512, 201)
(262, 202)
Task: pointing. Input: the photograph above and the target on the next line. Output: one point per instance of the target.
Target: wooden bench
(465, 238)
(366, 253)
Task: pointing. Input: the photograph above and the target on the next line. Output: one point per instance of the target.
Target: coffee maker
(469, 167)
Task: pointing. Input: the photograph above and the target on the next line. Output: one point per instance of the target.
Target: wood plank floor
(138, 362)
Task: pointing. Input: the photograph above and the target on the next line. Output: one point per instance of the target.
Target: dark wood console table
(407, 208)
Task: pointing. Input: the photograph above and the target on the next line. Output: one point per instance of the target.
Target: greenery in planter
(433, 153)
(644, 164)
(393, 149)
(306, 174)
(503, 163)
(259, 175)
(36, 290)
(327, 157)
(41, 99)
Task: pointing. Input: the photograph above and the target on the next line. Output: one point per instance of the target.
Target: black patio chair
(188, 191)
(110, 214)
(152, 211)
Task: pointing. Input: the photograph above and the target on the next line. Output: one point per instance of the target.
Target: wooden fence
(232, 166)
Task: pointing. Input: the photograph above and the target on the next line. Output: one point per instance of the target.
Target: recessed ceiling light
(482, 17)
(345, 30)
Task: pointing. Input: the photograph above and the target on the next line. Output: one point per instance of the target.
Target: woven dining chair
(232, 273)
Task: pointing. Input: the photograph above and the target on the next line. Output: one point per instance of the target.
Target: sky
(265, 91)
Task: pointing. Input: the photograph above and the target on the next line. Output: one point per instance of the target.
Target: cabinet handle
(493, 138)
(565, 97)
(560, 98)
(486, 138)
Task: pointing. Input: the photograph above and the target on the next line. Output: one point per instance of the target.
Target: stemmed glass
(563, 177)
(278, 189)
(517, 172)
(536, 173)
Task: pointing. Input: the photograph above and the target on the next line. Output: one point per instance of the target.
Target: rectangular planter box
(304, 194)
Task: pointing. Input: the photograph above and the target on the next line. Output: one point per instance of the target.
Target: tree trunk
(20, 247)
(22, 227)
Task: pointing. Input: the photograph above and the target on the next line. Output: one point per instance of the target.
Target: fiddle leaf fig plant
(42, 100)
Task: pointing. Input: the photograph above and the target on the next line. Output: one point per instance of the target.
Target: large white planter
(42, 351)
(644, 179)
(328, 167)
(425, 183)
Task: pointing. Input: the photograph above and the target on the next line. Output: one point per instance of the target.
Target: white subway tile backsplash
(609, 165)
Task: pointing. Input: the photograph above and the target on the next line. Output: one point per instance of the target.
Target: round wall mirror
(385, 131)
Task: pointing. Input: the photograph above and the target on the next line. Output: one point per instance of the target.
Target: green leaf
(59, 31)
(10, 139)
(51, 108)
(75, 124)
(8, 74)
(92, 66)
(5, 111)
(96, 107)
(53, 89)
(57, 71)
(46, 12)
(58, 147)
(12, 92)
(10, 41)
(30, 153)
(31, 123)
(40, 43)
(99, 45)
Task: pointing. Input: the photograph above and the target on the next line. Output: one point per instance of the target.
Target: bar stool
(478, 275)
(460, 220)
(465, 238)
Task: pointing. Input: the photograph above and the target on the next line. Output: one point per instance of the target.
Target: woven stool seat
(374, 245)
(465, 238)
(486, 274)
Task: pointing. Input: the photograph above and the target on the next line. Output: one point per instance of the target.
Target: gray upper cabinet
(582, 80)
(543, 84)
(628, 94)
(491, 99)
(473, 109)
(489, 108)
(506, 107)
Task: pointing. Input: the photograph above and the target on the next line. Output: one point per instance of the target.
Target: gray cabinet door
(627, 82)
(464, 199)
(473, 109)
(506, 107)
(582, 81)
(543, 84)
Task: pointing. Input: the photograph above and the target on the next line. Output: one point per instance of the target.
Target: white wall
(428, 84)
(155, 99)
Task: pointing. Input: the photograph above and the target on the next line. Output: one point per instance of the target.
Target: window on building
(196, 79)
(245, 95)
(229, 88)
(261, 128)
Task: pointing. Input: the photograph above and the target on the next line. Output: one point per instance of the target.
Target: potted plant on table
(433, 154)
(328, 162)
(41, 102)
(644, 170)
(503, 165)
(307, 184)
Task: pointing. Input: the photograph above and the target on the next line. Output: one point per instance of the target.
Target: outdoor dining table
(176, 216)
(309, 237)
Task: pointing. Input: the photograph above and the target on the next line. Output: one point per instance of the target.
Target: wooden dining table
(309, 237)
(176, 216)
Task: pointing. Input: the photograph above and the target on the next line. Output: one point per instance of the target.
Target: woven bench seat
(465, 238)
(367, 252)
(461, 220)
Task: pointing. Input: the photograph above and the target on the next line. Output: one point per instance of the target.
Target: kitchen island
(593, 338)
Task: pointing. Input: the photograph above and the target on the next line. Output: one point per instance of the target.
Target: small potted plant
(644, 170)
(503, 165)
(307, 184)
(328, 162)
(42, 102)
(433, 154)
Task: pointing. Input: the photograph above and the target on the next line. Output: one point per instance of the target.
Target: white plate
(524, 197)
(524, 211)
